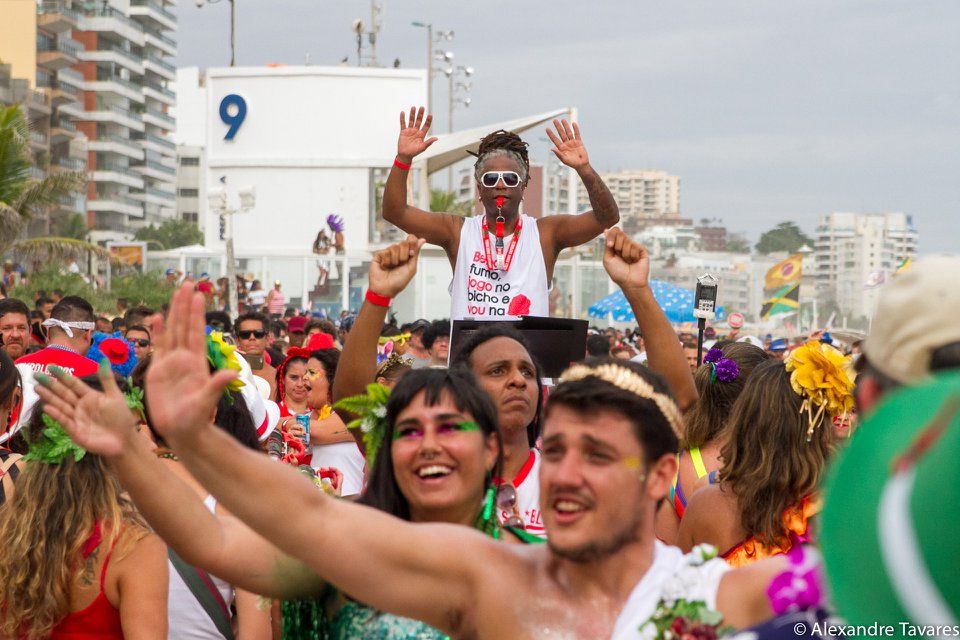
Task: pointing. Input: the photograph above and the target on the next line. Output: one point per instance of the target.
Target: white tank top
(346, 457)
(186, 619)
(481, 294)
(527, 484)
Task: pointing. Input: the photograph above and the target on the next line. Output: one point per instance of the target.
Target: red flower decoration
(115, 349)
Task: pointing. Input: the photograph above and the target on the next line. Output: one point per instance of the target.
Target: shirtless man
(480, 250)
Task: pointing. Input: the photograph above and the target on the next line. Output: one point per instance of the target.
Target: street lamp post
(453, 100)
(233, 23)
(434, 55)
(217, 199)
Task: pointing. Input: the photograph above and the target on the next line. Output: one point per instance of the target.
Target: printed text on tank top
(502, 263)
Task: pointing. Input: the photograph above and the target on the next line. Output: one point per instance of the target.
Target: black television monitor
(554, 342)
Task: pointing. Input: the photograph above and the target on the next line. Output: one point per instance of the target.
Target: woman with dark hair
(291, 388)
(720, 380)
(11, 397)
(780, 439)
(439, 453)
(76, 559)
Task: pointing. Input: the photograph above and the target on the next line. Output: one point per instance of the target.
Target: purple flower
(726, 370)
(714, 355)
(798, 588)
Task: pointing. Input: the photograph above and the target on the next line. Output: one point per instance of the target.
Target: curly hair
(43, 531)
(768, 463)
(502, 143)
(709, 415)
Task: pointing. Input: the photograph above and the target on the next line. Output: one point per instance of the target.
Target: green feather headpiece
(54, 445)
(371, 408)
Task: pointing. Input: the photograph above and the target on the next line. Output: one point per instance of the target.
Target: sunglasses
(141, 342)
(510, 179)
(246, 335)
(507, 501)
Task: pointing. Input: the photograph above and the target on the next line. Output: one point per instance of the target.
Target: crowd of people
(186, 472)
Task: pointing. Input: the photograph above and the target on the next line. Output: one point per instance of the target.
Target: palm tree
(21, 195)
(441, 200)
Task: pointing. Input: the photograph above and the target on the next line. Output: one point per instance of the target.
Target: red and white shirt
(527, 484)
(63, 357)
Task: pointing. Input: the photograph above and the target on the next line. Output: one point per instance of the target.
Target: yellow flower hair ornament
(823, 377)
(221, 355)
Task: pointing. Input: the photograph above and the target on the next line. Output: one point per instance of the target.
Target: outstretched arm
(391, 270)
(436, 228)
(220, 544)
(572, 231)
(428, 572)
(628, 264)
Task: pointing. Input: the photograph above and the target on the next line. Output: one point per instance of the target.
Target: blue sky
(768, 111)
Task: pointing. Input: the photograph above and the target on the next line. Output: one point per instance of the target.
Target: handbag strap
(206, 593)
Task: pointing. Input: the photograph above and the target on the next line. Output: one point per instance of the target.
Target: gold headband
(627, 380)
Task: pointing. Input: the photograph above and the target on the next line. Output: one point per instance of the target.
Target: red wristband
(400, 165)
(376, 299)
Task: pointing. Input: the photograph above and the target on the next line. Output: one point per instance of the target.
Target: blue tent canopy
(676, 302)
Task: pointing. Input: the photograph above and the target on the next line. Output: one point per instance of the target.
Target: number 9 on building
(233, 111)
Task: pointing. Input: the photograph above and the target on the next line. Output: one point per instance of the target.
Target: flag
(784, 272)
(904, 265)
(786, 299)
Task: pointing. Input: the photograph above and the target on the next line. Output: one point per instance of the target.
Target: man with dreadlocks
(502, 261)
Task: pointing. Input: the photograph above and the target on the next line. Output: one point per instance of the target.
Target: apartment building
(856, 252)
(36, 46)
(642, 195)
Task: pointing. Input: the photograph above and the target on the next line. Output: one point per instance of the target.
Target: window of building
(188, 193)
(189, 216)
(189, 161)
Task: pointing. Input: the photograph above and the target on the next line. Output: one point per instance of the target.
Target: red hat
(296, 323)
(320, 341)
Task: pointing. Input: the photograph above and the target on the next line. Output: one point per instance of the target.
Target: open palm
(568, 146)
(100, 422)
(181, 392)
(413, 133)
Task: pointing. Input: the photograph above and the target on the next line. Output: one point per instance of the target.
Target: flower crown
(822, 376)
(723, 369)
(53, 445)
(628, 381)
(371, 408)
(221, 355)
(114, 348)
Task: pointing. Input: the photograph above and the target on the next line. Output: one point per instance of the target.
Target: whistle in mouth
(499, 202)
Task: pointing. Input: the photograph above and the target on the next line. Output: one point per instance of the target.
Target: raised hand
(627, 262)
(100, 422)
(413, 134)
(181, 392)
(568, 146)
(392, 269)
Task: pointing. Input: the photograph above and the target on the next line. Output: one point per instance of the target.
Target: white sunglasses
(510, 179)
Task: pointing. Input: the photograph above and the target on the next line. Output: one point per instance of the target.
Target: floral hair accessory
(822, 376)
(115, 349)
(221, 355)
(134, 399)
(723, 369)
(54, 445)
(371, 408)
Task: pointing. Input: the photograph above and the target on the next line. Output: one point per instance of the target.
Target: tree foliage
(786, 236)
(170, 234)
(73, 226)
(148, 288)
(446, 201)
(736, 243)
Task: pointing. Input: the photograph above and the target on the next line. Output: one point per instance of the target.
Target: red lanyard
(501, 262)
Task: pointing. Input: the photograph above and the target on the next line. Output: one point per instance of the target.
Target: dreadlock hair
(44, 528)
(502, 143)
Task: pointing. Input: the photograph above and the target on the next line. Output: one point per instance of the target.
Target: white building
(642, 194)
(664, 240)
(312, 141)
(856, 252)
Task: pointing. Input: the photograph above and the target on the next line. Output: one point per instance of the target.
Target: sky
(768, 111)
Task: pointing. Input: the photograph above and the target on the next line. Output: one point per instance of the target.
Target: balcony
(159, 41)
(58, 54)
(159, 119)
(52, 16)
(73, 204)
(154, 196)
(112, 54)
(115, 173)
(116, 115)
(108, 19)
(73, 110)
(61, 93)
(38, 140)
(155, 170)
(154, 11)
(62, 131)
(117, 144)
(71, 77)
(157, 144)
(109, 83)
(158, 92)
(157, 65)
(37, 102)
(65, 163)
(116, 203)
